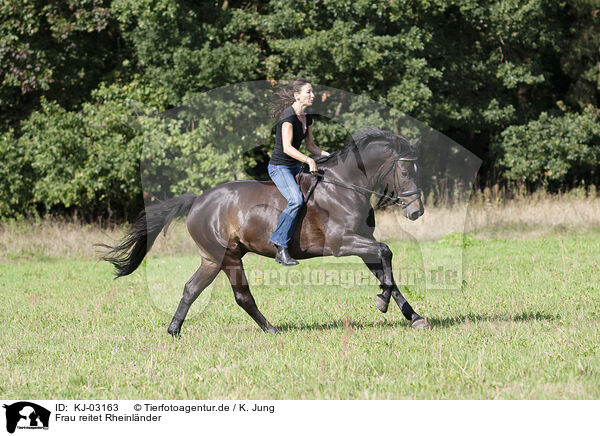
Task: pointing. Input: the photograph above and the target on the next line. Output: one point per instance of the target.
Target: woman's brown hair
(284, 96)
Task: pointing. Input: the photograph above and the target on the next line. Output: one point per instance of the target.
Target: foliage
(553, 149)
(83, 159)
(95, 159)
(184, 46)
(483, 73)
(16, 178)
(60, 50)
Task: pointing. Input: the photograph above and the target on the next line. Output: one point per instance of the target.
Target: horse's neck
(354, 168)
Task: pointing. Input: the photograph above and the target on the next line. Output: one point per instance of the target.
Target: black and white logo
(26, 415)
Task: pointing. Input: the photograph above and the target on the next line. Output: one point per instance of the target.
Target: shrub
(552, 150)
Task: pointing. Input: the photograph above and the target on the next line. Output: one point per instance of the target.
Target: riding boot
(283, 257)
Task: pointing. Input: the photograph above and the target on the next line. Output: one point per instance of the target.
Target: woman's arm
(287, 132)
(311, 146)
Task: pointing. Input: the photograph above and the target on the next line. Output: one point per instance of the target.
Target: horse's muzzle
(414, 208)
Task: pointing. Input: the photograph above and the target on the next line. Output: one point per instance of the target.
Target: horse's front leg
(382, 300)
(378, 258)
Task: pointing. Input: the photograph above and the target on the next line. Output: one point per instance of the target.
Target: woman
(293, 126)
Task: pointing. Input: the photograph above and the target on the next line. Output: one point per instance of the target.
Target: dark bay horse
(238, 217)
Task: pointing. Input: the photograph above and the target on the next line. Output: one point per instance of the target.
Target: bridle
(399, 198)
(396, 200)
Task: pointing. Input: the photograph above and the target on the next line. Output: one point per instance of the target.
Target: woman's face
(305, 97)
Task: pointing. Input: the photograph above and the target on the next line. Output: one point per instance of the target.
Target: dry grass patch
(487, 215)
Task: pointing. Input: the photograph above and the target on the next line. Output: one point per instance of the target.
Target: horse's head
(398, 177)
(389, 164)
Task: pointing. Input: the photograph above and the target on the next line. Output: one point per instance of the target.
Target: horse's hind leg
(192, 289)
(232, 266)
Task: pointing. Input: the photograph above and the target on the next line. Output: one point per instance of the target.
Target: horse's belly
(241, 216)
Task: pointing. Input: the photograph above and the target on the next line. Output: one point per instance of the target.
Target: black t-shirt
(289, 115)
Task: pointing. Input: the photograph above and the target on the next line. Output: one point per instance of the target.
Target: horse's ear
(417, 144)
(400, 144)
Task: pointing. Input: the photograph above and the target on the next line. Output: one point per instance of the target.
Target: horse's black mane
(361, 138)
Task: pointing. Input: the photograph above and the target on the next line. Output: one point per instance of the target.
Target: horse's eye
(404, 173)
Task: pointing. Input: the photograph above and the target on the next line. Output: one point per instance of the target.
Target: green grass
(524, 324)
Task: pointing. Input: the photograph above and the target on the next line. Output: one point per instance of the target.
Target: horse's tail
(132, 249)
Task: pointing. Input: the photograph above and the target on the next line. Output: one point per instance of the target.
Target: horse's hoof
(174, 329)
(381, 304)
(272, 330)
(419, 324)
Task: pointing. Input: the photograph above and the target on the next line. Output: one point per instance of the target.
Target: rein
(397, 200)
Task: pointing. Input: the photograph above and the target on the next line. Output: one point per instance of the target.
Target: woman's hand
(312, 165)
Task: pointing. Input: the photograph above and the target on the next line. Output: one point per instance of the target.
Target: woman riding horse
(234, 218)
(293, 126)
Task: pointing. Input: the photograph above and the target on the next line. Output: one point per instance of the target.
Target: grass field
(524, 324)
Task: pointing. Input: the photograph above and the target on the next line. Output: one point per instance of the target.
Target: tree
(54, 49)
